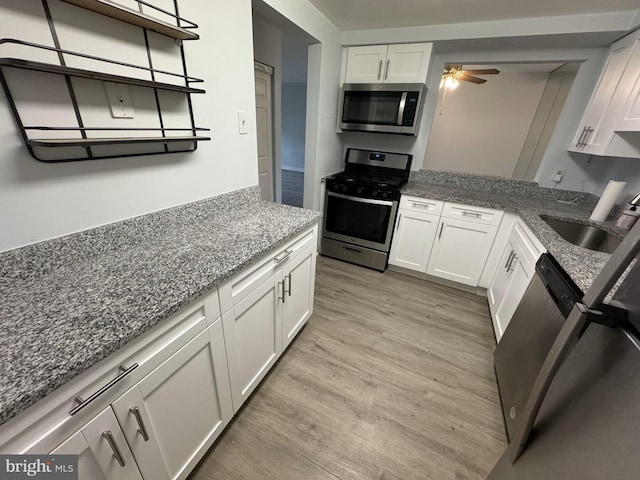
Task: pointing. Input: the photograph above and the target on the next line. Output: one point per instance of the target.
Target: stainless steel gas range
(360, 207)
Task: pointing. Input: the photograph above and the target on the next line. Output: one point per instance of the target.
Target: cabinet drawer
(482, 215)
(424, 205)
(243, 283)
(530, 245)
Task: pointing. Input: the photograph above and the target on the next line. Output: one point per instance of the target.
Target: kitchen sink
(585, 236)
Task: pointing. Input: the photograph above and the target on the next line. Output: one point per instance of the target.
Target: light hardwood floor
(392, 378)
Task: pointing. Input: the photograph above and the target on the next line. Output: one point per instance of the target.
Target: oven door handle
(361, 200)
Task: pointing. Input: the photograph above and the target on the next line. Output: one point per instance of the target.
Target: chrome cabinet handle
(398, 224)
(586, 138)
(513, 259)
(441, 227)
(421, 205)
(506, 265)
(114, 447)
(579, 143)
(379, 69)
(281, 285)
(141, 426)
(83, 403)
(289, 290)
(286, 254)
(386, 70)
(471, 214)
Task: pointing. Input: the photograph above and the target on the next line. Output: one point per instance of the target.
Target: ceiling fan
(454, 73)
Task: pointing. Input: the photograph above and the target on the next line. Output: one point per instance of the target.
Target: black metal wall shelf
(124, 14)
(41, 145)
(107, 77)
(83, 142)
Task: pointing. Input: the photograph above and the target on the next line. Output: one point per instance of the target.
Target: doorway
(283, 46)
(264, 129)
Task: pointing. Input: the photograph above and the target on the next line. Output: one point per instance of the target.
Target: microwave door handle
(403, 102)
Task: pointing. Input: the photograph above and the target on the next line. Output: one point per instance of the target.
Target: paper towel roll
(607, 200)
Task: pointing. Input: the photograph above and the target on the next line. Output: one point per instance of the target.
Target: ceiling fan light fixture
(451, 82)
(451, 78)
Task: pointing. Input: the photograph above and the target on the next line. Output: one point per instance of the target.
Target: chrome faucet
(635, 201)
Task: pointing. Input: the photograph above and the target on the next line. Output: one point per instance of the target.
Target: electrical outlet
(119, 100)
(558, 173)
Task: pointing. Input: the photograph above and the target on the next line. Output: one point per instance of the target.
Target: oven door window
(355, 217)
(377, 108)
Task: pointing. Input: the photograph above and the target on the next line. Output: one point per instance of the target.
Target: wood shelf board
(85, 142)
(106, 77)
(125, 14)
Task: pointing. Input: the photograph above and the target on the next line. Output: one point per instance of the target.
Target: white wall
(481, 129)
(41, 201)
(294, 99)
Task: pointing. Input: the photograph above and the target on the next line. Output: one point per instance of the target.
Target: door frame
(276, 178)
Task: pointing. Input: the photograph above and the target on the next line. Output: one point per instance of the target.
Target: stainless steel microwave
(381, 107)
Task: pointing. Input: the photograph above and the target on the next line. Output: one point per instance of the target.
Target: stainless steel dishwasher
(526, 342)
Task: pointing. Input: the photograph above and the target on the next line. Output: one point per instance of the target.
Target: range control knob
(359, 190)
(384, 194)
(374, 193)
(344, 188)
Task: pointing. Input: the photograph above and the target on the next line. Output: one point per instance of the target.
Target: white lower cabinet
(299, 281)
(174, 414)
(161, 427)
(460, 250)
(514, 273)
(103, 453)
(443, 239)
(507, 288)
(413, 239)
(253, 336)
(264, 307)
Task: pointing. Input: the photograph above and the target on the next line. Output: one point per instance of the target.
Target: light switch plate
(243, 128)
(119, 100)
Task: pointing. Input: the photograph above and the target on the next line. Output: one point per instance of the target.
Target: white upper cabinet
(365, 64)
(402, 63)
(597, 134)
(630, 121)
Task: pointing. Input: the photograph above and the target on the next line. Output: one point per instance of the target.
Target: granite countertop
(531, 203)
(70, 302)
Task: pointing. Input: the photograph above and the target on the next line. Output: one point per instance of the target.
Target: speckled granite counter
(70, 302)
(530, 202)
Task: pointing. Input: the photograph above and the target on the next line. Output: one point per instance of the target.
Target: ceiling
(372, 14)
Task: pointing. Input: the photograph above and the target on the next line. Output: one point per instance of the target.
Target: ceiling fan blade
(469, 78)
(487, 71)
